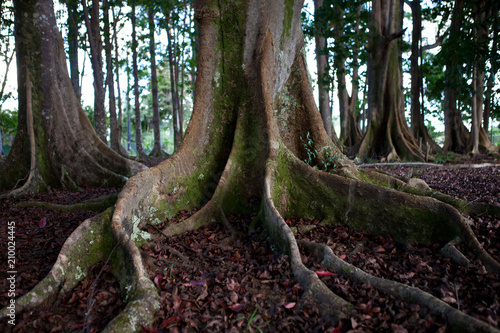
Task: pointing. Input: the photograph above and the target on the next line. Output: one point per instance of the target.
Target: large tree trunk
(242, 151)
(94, 36)
(388, 136)
(65, 149)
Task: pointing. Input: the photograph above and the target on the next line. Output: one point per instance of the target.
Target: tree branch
(439, 41)
(396, 35)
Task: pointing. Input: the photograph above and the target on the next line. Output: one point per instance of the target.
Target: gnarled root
(458, 320)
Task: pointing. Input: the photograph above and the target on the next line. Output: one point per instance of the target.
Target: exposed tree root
(95, 204)
(35, 181)
(450, 251)
(90, 243)
(331, 305)
(458, 320)
(419, 187)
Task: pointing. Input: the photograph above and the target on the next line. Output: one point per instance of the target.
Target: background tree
(73, 41)
(115, 135)
(418, 128)
(135, 74)
(320, 26)
(157, 151)
(388, 135)
(177, 118)
(55, 144)
(347, 40)
(95, 42)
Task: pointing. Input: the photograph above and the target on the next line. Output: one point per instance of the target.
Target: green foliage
(8, 122)
(329, 160)
(442, 158)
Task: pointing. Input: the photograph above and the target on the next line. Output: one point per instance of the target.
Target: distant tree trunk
(110, 81)
(480, 140)
(418, 128)
(2, 154)
(177, 120)
(490, 83)
(456, 134)
(55, 143)
(73, 46)
(388, 136)
(94, 36)
(154, 86)
(138, 135)
(119, 126)
(129, 106)
(350, 135)
(322, 69)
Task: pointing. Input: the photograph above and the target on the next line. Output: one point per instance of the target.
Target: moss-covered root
(332, 306)
(92, 204)
(137, 289)
(90, 243)
(459, 321)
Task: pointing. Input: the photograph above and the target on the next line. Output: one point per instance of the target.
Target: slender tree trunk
(73, 35)
(138, 130)
(491, 81)
(322, 69)
(129, 106)
(110, 81)
(2, 153)
(456, 134)
(94, 36)
(350, 134)
(177, 121)
(418, 128)
(116, 58)
(154, 86)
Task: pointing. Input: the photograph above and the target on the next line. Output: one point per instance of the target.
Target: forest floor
(212, 280)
